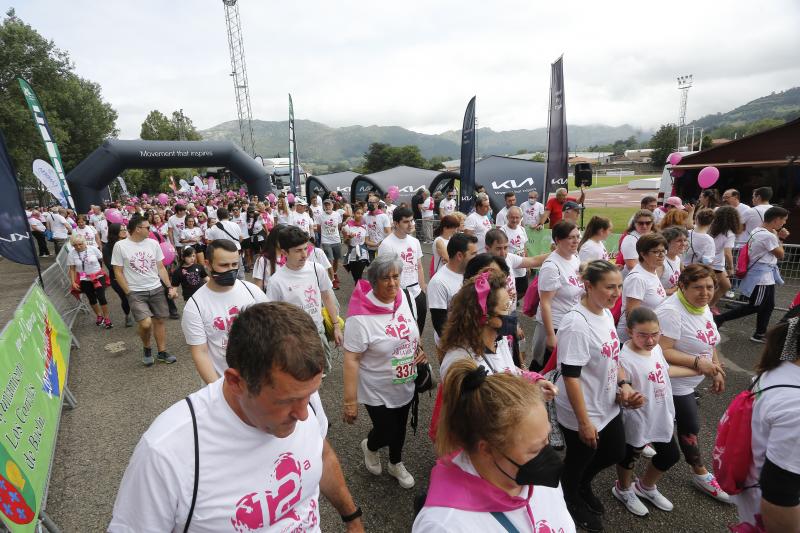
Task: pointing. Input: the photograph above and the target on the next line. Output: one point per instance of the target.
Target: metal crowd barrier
(790, 271)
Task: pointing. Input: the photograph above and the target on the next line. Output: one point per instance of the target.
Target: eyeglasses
(660, 252)
(644, 222)
(648, 336)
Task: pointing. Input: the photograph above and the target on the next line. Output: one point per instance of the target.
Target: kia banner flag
(16, 243)
(294, 162)
(467, 200)
(557, 145)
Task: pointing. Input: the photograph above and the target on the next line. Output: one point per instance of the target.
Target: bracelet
(623, 382)
(353, 516)
(696, 362)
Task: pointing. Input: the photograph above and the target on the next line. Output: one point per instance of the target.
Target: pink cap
(674, 201)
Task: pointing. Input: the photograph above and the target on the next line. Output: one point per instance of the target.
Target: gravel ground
(118, 399)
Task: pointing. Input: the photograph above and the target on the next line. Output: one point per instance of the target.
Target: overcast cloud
(416, 63)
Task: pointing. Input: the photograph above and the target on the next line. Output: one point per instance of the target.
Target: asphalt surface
(118, 398)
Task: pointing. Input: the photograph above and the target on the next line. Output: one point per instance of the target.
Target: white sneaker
(648, 452)
(399, 472)
(708, 484)
(630, 500)
(653, 496)
(372, 460)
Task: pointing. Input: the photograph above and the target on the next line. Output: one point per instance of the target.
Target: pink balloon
(393, 192)
(674, 158)
(113, 216)
(169, 252)
(677, 172)
(163, 198)
(271, 198)
(708, 177)
(144, 196)
(231, 194)
(180, 202)
(290, 198)
(130, 209)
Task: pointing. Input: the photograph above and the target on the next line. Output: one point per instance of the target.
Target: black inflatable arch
(103, 165)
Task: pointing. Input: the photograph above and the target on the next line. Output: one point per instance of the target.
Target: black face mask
(543, 470)
(372, 207)
(225, 279)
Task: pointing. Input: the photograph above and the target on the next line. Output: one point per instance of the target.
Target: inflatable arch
(101, 167)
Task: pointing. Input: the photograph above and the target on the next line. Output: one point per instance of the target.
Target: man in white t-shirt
(378, 224)
(449, 278)
(517, 242)
(448, 205)
(300, 217)
(210, 312)
(765, 250)
(511, 201)
(302, 283)
(100, 223)
(139, 269)
(427, 207)
(175, 226)
(532, 210)
(731, 197)
(755, 217)
(60, 227)
(330, 227)
(407, 248)
(37, 229)
(254, 442)
(478, 223)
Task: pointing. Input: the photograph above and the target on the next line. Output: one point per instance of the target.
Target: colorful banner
(44, 129)
(16, 243)
(294, 162)
(33, 374)
(48, 177)
(557, 145)
(467, 171)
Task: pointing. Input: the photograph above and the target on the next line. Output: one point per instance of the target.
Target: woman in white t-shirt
(653, 423)
(677, 238)
(592, 245)
(774, 477)
(723, 230)
(87, 276)
(517, 245)
(88, 233)
(643, 286)
(701, 248)
(354, 232)
(447, 227)
(269, 260)
(192, 235)
(560, 288)
(688, 339)
(158, 226)
(282, 212)
(496, 470)
(642, 223)
(381, 354)
(594, 386)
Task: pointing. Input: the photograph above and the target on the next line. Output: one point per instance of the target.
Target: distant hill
(782, 105)
(318, 143)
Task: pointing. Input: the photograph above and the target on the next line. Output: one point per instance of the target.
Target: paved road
(119, 398)
(616, 196)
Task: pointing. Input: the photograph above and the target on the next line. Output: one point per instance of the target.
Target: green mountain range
(783, 105)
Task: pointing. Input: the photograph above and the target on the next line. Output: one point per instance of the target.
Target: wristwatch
(623, 382)
(350, 517)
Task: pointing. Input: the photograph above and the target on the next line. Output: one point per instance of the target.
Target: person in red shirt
(555, 205)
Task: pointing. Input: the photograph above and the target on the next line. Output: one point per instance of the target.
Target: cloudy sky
(416, 63)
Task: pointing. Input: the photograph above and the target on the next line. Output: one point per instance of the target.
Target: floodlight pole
(684, 84)
(239, 75)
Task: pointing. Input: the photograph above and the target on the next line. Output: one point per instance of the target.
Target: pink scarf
(361, 305)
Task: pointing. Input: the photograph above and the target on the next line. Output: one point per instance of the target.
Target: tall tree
(663, 143)
(158, 127)
(79, 118)
(382, 156)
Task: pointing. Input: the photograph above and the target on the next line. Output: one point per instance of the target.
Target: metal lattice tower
(684, 84)
(239, 75)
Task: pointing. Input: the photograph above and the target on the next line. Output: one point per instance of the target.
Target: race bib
(403, 369)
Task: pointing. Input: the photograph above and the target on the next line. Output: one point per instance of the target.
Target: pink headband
(482, 289)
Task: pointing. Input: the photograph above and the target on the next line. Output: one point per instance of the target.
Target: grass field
(608, 181)
(619, 216)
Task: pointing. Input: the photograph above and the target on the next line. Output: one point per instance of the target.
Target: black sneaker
(759, 337)
(584, 518)
(147, 359)
(592, 502)
(164, 357)
(174, 315)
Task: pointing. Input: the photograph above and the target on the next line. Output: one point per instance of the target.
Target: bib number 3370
(403, 370)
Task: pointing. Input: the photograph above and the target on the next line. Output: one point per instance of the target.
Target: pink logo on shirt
(310, 295)
(542, 526)
(709, 336)
(225, 323)
(575, 281)
(142, 262)
(407, 256)
(660, 291)
(398, 328)
(284, 490)
(610, 350)
(657, 376)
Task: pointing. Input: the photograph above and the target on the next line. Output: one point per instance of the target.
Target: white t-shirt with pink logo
(329, 227)
(426, 207)
(89, 261)
(208, 316)
(447, 206)
(479, 225)
(249, 480)
(592, 250)
(589, 341)
(654, 421)
(410, 253)
(643, 286)
(562, 276)
(517, 239)
(177, 225)
(693, 335)
(139, 262)
(302, 288)
(376, 226)
(302, 221)
(501, 361)
(671, 272)
(88, 233)
(387, 344)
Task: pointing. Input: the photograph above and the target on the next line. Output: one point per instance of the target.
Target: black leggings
(95, 294)
(521, 284)
(422, 310)
(123, 300)
(582, 463)
(388, 429)
(761, 302)
(688, 422)
(357, 269)
(667, 454)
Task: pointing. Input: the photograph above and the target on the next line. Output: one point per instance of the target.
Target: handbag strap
(196, 467)
(505, 522)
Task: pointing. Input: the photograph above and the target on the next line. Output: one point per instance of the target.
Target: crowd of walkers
(610, 372)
